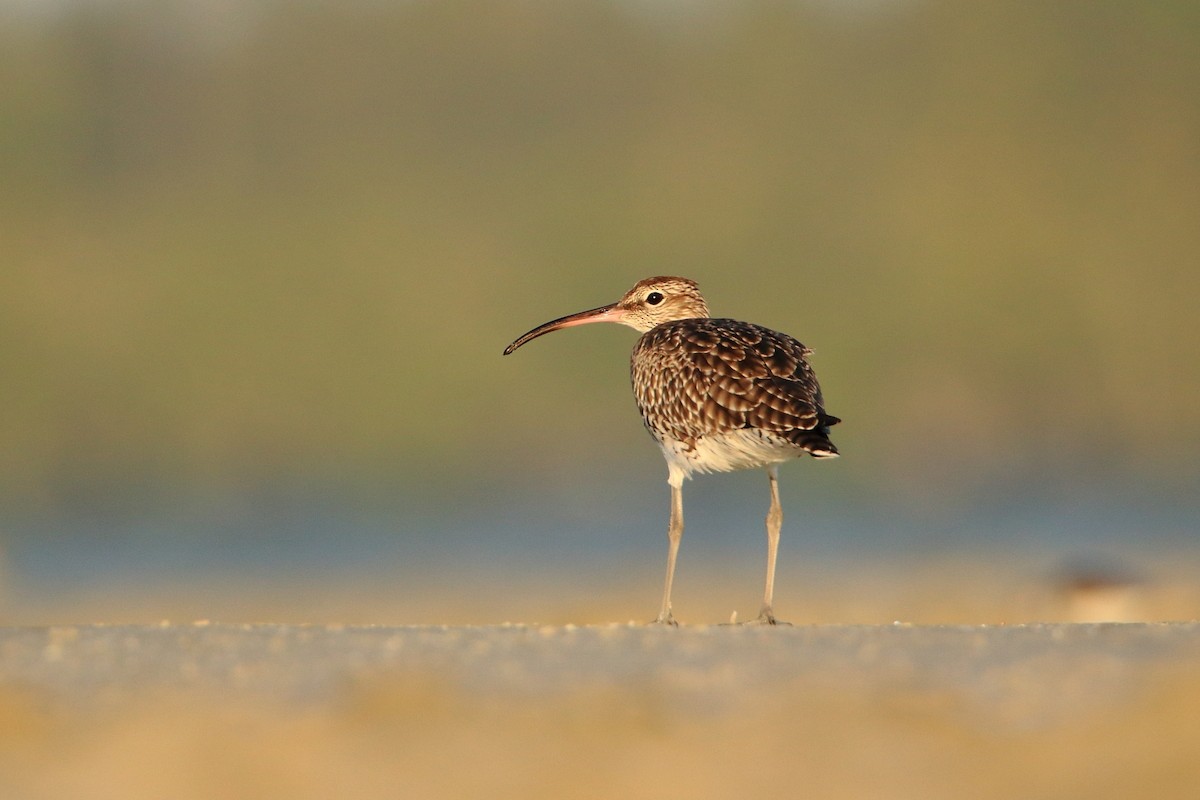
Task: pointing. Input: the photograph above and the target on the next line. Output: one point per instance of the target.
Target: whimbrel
(717, 395)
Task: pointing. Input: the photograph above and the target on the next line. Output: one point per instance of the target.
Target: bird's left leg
(674, 535)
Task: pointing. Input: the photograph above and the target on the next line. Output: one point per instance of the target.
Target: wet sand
(838, 711)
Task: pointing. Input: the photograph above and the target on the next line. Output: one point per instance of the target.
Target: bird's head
(650, 303)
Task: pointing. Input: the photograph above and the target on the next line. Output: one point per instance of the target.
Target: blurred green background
(258, 262)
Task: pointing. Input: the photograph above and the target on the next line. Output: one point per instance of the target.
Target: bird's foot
(766, 617)
(665, 618)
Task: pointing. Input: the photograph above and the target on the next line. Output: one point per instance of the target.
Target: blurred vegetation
(287, 240)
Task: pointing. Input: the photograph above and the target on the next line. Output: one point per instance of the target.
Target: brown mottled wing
(699, 377)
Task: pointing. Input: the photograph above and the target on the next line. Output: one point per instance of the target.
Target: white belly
(742, 449)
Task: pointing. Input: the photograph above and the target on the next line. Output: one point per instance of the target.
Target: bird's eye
(654, 298)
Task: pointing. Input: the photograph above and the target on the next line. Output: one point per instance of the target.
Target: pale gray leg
(674, 535)
(766, 615)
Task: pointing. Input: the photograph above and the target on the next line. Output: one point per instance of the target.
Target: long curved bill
(608, 313)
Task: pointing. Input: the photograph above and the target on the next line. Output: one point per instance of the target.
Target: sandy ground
(820, 711)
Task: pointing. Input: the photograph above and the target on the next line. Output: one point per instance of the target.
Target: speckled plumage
(717, 395)
(698, 380)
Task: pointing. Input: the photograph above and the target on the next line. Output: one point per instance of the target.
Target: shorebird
(717, 395)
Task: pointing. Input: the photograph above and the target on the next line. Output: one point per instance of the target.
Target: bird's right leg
(774, 521)
(674, 535)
